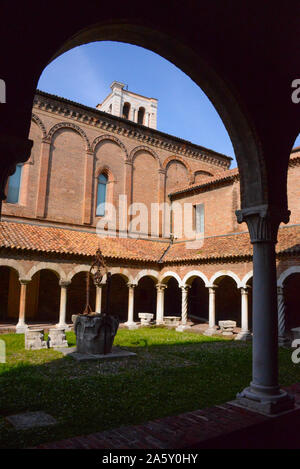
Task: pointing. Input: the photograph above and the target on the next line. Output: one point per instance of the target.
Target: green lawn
(173, 373)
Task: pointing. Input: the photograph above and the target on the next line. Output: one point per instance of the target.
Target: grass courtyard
(173, 372)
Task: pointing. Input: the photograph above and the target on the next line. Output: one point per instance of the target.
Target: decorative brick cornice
(80, 113)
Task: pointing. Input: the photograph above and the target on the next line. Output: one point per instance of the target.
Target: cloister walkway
(221, 426)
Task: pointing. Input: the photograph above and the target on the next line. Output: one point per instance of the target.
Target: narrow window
(199, 218)
(110, 108)
(141, 115)
(14, 182)
(126, 109)
(101, 195)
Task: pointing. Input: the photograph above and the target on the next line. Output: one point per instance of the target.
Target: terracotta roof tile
(31, 237)
(66, 241)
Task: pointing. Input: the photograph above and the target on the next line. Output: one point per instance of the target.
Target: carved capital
(64, 284)
(263, 222)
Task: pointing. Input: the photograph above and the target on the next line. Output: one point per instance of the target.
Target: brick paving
(220, 426)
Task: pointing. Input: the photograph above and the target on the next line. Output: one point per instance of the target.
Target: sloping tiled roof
(229, 246)
(223, 176)
(30, 237)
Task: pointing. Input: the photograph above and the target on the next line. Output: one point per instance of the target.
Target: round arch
(246, 279)
(172, 158)
(167, 275)
(111, 138)
(59, 272)
(225, 273)
(69, 125)
(136, 150)
(14, 265)
(291, 270)
(124, 273)
(39, 123)
(77, 270)
(146, 273)
(193, 274)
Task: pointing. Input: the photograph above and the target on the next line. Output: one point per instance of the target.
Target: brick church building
(87, 159)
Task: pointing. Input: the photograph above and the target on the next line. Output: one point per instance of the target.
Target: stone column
(212, 328)
(22, 327)
(98, 298)
(130, 322)
(63, 303)
(244, 334)
(282, 339)
(160, 287)
(184, 308)
(264, 393)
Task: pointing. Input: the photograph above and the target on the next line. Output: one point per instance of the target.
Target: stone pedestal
(95, 333)
(146, 318)
(57, 338)
(34, 339)
(227, 327)
(171, 320)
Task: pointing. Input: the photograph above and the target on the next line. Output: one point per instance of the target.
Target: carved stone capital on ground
(263, 222)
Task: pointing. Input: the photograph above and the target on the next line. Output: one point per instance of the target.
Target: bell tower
(128, 105)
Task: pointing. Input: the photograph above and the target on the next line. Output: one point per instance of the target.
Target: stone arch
(167, 275)
(246, 279)
(146, 273)
(69, 125)
(134, 152)
(185, 163)
(291, 270)
(111, 138)
(12, 263)
(193, 274)
(76, 270)
(124, 273)
(224, 273)
(47, 266)
(35, 118)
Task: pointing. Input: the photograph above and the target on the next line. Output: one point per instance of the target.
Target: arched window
(14, 182)
(101, 195)
(141, 115)
(126, 109)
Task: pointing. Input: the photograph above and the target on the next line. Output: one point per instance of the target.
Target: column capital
(131, 285)
(212, 288)
(244, 290)
(279, 291)
(24, 281)
(161, 286)
(64, 283)
(263, 222)
(185, 287)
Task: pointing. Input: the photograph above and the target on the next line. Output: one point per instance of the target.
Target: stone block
(57, 338)
(34, 339)
(146, 318)
(171, 320)
(227, 327)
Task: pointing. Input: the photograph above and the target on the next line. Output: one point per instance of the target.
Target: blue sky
(85, 73)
